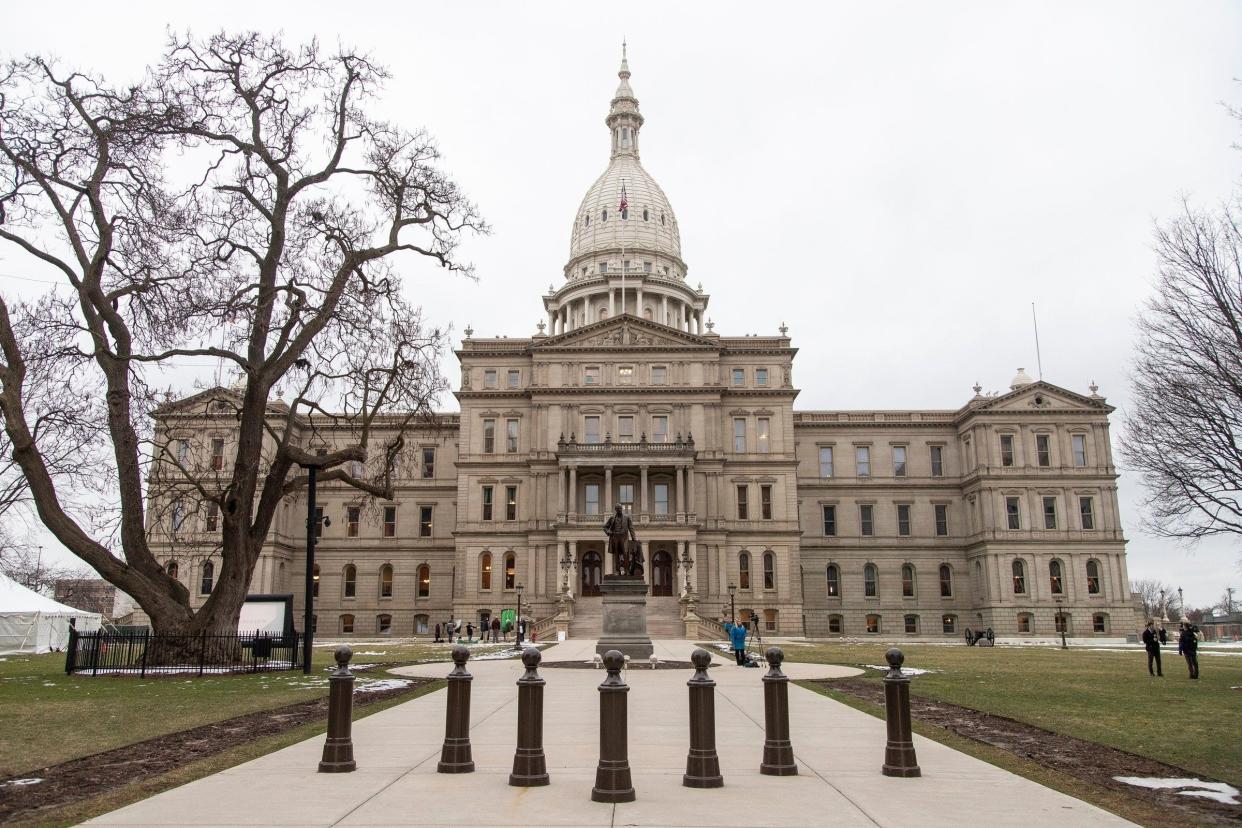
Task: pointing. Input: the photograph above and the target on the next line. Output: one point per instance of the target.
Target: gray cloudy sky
(897, 182)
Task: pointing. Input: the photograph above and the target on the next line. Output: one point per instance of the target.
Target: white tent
(33, 623)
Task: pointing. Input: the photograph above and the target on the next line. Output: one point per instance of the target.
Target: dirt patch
(1093, 762)
(89, 776)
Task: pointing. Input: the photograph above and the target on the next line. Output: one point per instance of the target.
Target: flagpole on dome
(622, 214)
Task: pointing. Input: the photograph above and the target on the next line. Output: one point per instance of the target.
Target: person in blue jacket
(737, 636)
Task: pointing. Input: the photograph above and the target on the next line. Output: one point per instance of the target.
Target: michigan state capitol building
(1002, 513)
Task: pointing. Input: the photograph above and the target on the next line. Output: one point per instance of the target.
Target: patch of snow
(383, 684)
(905, 671)
(369, 652)
(1218, 791)
(30, 781)
(497, 655)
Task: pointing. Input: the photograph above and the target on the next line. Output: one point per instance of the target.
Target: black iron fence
(142, 653)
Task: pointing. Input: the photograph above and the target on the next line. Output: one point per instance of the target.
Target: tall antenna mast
(1038, 359)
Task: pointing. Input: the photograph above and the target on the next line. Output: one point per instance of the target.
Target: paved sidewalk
(839, 752)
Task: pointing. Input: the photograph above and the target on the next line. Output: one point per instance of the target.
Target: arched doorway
(661, 573)
(592, 573)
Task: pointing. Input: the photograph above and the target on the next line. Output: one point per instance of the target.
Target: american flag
(625, 202)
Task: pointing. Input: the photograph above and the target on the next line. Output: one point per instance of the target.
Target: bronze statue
(623, 546)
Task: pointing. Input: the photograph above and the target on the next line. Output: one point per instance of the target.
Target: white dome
(649, 225)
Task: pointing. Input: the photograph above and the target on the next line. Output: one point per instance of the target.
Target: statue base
(625, 617)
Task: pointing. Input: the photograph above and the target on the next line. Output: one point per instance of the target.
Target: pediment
(216, 400)
(626, 332)
(1040, 396)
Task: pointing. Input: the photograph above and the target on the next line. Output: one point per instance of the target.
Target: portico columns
(642, 485)
(573, 490)
(638, 309)
(681, 495)
(608, 490)
(689, 489)
(664, 309)
(612, 302)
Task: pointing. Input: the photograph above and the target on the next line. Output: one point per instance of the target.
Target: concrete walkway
(839, 752)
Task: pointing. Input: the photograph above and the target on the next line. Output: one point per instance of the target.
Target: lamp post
(1061, 620)
(312, 529)
(519, 613)
(1181, 607)
(566, 562)
(732, 605)
(685, 566)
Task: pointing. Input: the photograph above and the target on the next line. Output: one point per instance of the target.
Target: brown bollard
(702, 763)
(778, 755)
(338, 750)
(612, 776)
(899, 758)
(455, 756)
(529, 766)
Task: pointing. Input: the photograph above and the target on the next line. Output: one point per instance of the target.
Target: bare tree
(1184, 430)
(1158, 598)
(239, 204)
(23, 562)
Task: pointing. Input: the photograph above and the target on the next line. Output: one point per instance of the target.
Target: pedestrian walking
(470, 632)
(737, 636)
(1188, 646)
(1151, 642)
(495, 630)
(437, 633)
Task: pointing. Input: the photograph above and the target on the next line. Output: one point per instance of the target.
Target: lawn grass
(1104, 697)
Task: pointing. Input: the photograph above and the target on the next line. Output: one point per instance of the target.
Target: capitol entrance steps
(663, 618)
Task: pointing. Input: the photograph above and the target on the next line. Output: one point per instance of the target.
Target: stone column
(573, 490)
(638, 304)
(642, 486)
(612, 302)
(562, 489)
(664, 309)
(608, 490)
(679, 482)
(690, 504)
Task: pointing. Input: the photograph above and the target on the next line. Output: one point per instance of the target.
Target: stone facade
(1002, 513)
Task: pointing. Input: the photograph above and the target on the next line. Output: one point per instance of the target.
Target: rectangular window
(489, 378)
(865, 522)
(912, 624)
(948, 623)
(625, 496)
(942, 520)
(625, 375)
(743, 512)
(761, 377)
(515, 378)
(1043, 449)
(603, 266)
(424, 521)
(739, 435)
(592, 429)
(1024, 623)
(1006, 443)
(825, 461)
(217, 453)
(903, 519)
(592, 498)
(1011, 513)
(429, 462)
(937, 461)
(352, 516)
(183, 451)
(1050, 513)
(739, 377)
(659, 428)
(489, 436)
(661, 498)
(213, 516)
(1098, 623)
(1086, 509)
(899, 461)
(765, 502)
(646, 267)
(862, 460)
(1080, 450)
(834, 624)
(625, 428)
(510, 502)
(390, 521)
(511, 436)
(659, 374)
(873, 623)
(487, 502)
(319, 521)
(763, 427)
(591, 375)
(830, 521)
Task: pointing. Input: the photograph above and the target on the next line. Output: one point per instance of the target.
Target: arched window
(315, 581)
(625, 214)
(485, 571)
(172, 569)
(350, 581)
(1019, 578)
(661, 219)
(743, 570)
(603, 214)
(347, 623)
(386, 581)
(424, 581)
(644, 214)
(907, 580)
(510, 570)
(1093, 577)
(769, 570)
(834, 581)
(946, 581)
(209, 574)
(383, 624)
(870, 588)
(1055, 582)
(588, 220)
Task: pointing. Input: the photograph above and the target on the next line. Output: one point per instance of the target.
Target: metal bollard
(778, 755)
(702, 763)
(455, 756)
(612, 776)
(529, 766)
(899, 758)
(338, 750)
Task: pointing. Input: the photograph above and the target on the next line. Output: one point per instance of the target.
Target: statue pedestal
(625, 617)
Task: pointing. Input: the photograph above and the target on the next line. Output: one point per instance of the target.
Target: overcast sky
(897, 182)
